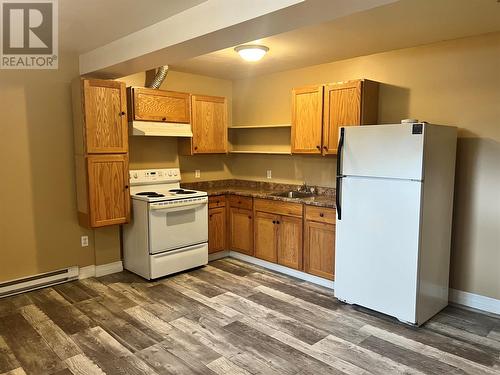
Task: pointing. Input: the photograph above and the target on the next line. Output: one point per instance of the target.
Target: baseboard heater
(25, 284)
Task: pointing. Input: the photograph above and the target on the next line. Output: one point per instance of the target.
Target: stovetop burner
(182, 191)
(151, 194)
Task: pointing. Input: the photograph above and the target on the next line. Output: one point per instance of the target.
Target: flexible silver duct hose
(159, 77)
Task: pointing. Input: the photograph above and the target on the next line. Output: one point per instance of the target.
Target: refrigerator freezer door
(377, 244)
(391, 151)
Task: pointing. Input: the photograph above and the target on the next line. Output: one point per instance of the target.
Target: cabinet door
(342, 108)
(266, 236)
(241, 232)
(290, 242)
(216, 229)
(209, 122)
(108, 190)
(106, 129)
(307, 120)
(159, 105)
(319, 249)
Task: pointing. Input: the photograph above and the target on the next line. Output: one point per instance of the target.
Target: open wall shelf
(260, 126)
(260, 139)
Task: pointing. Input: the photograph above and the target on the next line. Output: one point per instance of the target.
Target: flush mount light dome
(251, 52)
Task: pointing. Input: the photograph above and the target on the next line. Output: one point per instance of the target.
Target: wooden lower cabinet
(278, 238)
(319, 245)
(266, 236)
(108, 190)
(241, 230)
(289, 234)
(216, 229)
(290, 242)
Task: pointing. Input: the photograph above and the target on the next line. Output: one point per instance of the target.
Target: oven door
(179, 225)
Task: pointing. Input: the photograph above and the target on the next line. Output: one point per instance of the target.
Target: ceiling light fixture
(251, 52)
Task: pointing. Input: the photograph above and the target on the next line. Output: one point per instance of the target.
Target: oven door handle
(182, 206)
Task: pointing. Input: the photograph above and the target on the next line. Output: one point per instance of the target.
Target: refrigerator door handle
(338, 185)
(337, 197)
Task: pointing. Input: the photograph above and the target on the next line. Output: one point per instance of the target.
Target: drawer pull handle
(321, 214)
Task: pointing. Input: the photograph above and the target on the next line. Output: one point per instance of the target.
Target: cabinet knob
(321, 214)
(210, 216)
(318, 147)
(126, 186)
(163, 119)
(325, 148)
(249, 217)
(122, 113)
(277, 222)
(196, 147)
(274, 221)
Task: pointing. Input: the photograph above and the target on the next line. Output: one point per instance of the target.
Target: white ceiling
(88, 24)
(406, 23)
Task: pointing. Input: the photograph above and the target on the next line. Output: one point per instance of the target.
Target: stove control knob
(169, 173)
(175, 173)
(135, 175)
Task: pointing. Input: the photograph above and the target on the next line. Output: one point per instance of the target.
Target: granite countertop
(263, 190)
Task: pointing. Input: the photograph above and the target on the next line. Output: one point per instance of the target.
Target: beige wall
(456, 83)
(39, 231)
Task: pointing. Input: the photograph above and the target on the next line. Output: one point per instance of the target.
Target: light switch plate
(197, 173)
(269, 174)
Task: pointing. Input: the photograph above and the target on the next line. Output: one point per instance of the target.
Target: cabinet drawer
(241, 202)
(278, 207)
(216, 201)
(320, 214)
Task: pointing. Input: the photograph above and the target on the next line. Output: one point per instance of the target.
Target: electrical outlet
(269, 174)
(85, 241)
(197, 173)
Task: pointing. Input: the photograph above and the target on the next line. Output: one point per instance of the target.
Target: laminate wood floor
(229, 318)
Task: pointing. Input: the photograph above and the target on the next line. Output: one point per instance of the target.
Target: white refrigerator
(395, 188)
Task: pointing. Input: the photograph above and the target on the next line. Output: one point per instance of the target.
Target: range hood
(161, 129)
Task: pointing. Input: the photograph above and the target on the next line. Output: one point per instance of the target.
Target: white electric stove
(168, 232)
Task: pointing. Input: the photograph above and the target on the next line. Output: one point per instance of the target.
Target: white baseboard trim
(218, 255)
(100, 270)
(109, 268)
(86, 272)
(475, 301)
(282, 269)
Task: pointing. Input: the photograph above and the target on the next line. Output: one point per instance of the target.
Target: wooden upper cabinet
(158, 105)
(307, 118)
(108, 190)
(209, 122)
(319, 111)
(348, 104)
(104, 124)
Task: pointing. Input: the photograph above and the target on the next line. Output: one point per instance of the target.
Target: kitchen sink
(294, 194)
